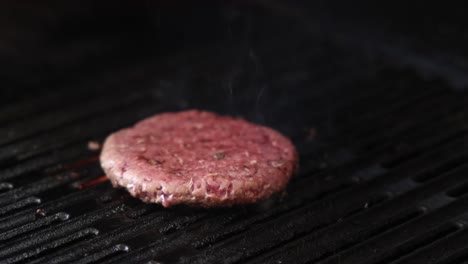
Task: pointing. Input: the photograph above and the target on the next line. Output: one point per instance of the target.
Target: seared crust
(198, 158)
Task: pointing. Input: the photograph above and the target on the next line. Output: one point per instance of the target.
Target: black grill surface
(383, 151)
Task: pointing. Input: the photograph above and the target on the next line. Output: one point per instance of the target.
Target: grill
(383, 149)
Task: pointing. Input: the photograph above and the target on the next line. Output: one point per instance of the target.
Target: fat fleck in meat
(199, 158)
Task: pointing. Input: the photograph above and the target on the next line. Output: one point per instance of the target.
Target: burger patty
(199, 158)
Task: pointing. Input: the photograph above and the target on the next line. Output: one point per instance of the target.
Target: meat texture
(199, 158)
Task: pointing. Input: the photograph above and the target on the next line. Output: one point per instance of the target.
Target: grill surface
(383, 152)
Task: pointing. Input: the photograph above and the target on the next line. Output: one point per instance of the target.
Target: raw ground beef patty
(199, 158)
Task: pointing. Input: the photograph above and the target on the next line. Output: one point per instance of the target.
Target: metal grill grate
(383, 154)
(390, 187)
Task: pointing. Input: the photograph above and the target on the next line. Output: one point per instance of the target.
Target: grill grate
(383, 162)
(397, 195)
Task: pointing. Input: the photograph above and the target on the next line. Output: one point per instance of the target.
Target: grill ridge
(382, 177)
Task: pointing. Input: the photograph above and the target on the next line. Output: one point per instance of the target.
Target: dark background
(224, 55)
(371, 94)
(52, 45)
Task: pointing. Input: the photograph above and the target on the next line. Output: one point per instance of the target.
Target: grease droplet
(94, 145)
(121, 247)
(63, 216)
(40, 213)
